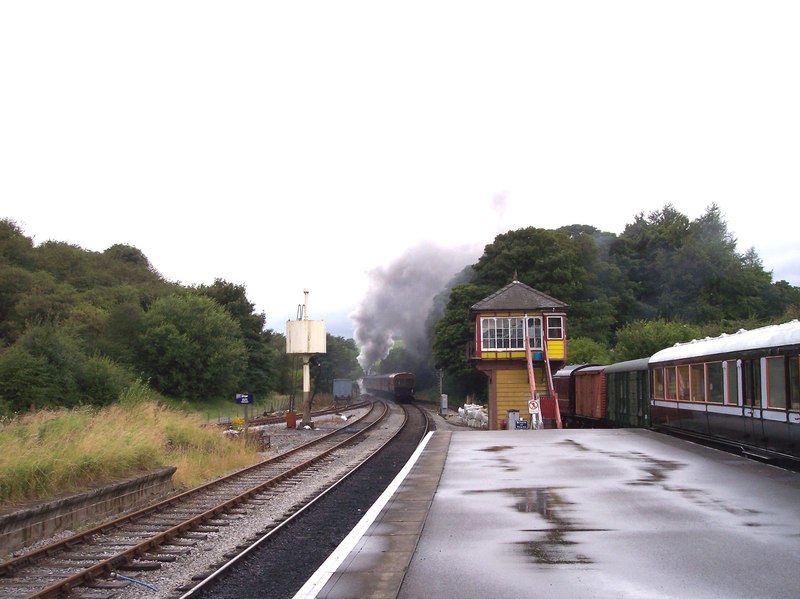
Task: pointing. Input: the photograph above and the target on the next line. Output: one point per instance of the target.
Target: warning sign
(533, 406)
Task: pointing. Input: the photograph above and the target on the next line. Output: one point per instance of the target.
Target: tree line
(79, 327)
(663, 280)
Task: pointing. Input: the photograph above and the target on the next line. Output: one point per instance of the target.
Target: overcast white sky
(291, 145)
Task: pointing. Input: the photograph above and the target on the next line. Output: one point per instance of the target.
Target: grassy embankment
(52, 453)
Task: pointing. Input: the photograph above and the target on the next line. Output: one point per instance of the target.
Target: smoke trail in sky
(400, 297)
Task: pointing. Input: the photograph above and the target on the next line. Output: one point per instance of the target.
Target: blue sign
(244, 398)
(520, 424)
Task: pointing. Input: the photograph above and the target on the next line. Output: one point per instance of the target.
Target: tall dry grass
(51, 453)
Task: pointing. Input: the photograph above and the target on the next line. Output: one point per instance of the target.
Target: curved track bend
(95, 559)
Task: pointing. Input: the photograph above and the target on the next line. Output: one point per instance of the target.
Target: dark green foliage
(192, 348)
(583, 350)
(119, 338)
(684, 276)
(259, 377)
(129, 255)
(455, 332)
(96, 307)
(339, 362)
(101, 381)
(25, 381)
(15, 247)
(644, 338)
(47, 367)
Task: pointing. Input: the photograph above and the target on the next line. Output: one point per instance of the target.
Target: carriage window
(751, 383)
(733, 383)
(794, 383)
(683, 383)
(776, 382)
(658, 383)
(698, 382)
(716, 392)
(672, 385)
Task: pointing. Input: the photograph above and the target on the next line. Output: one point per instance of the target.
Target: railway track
(106, 560)
(279, 562)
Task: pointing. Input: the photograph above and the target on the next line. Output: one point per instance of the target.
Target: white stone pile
(474, 415)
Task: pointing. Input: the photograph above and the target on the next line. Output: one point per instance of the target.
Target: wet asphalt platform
(572, 513)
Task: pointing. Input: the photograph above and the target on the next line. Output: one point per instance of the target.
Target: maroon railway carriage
(398, 386)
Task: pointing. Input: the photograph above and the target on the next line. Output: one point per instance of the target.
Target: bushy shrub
(47, 367)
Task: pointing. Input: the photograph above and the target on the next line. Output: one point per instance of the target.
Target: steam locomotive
(739, 391)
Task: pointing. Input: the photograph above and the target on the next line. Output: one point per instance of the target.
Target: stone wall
(20, 529)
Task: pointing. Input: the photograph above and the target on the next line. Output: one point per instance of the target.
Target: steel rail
(108, 565)
(194, 591)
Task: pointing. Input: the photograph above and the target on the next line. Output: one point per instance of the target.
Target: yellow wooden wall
(513, 392)
(556, 349)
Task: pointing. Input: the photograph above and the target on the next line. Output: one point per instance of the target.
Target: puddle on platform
(550, 544)
(497, 448)
(505, 463)
(575, 445)
(658, 472)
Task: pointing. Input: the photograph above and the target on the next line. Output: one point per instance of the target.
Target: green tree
(690, 271)
(546, 260)
(641, 339)
(14, 284)
(101, 381)
(36, 298)
(566, 264)
(784, 300)
(120, 335)
(47, 367)
(455, 332)
(339, 362)
(130, 255)
(644, 255)
(259, 377)
(192, 348)
(27, 381)
(15, 248)
(582, 350)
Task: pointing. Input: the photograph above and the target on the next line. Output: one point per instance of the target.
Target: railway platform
(572, 513)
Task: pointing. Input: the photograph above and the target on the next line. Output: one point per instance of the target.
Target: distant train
(740, 390)
(398, 386)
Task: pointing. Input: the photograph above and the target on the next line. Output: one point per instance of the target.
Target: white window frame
(560, 327)
(507, 333)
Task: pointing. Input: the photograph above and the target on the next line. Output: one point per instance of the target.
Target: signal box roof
(518, 296)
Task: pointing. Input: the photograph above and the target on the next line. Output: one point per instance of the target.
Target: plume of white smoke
(400, 296)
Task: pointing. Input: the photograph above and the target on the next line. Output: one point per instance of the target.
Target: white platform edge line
(320, 578)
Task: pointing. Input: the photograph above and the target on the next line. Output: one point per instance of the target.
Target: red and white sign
(533, 406)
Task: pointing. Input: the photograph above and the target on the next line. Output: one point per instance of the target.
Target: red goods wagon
(590, 393)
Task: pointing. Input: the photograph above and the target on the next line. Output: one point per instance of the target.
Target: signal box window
(555, 327)
(509, 333)
(535, 332)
